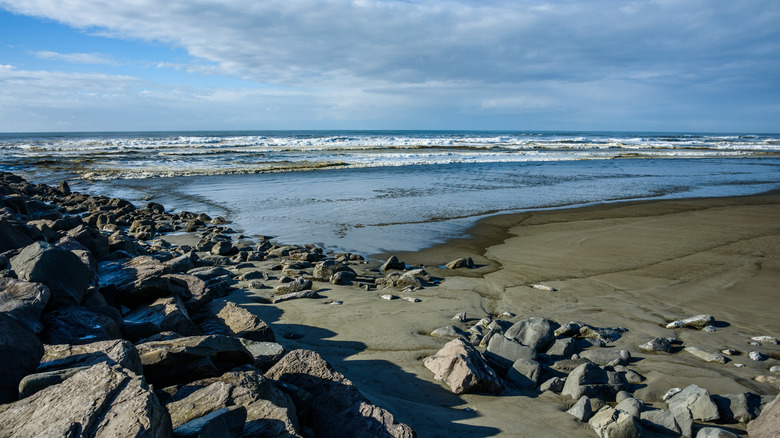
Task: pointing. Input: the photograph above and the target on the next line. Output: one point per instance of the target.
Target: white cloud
(78, 58)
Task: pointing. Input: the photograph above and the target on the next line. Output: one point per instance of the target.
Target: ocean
(382, 191)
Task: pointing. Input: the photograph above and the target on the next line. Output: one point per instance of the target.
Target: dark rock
(13, 235)
(460, 263)
(223, 248)
(226, 318)
(168, 313)
(33, 383)
(392, 263)
(96, 242)
(182, 263)
(208, 273)
(189, 285)
(22, 352)
(60, 270)
(657, 344)
(554, 384)
(222, 423)
(114, 352)
(297, 285)
(538, 333)
(133, 282)
(64, 188)
(324, 270)
(503, 352)
(591, 380)
(135, 331)
(24, 301)
(77, 325)
(524, 373)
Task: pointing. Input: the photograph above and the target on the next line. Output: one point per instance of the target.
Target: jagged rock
(587, 331)
(133, 282)
(706, 356)
(222, 423)
(24, 301)
(266, 354)
(33, 383)
(226, 318)
(182, 360)
(460, 263)
(77, 325)
(631, 406)
(697, 322)
(114, 352)
(630, 375)
(699, 402)
(449, 331)
(684, 419)
(336, 405)
(92, 239)
(738, 407)
(21, 351)
(62, 271)
(503, 352)
(392, 263)
(767, 424)
(591, 380)
(603, 356)
(535, 332)
(657, 344)
(714, 432)
(183, 263)
(612, 423)
(101, 401)
(554, 384)
(190, 286)
(765, 339)
(524, 373)
(296, 295)
(581, 410)
(297, 285)
(463, 369)
(223, 248)
(168, 313)
(661, 421)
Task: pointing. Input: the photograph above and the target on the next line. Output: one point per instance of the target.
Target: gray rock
(630, 406)
(343, 277)
(460, 263)
(207, 273)
(714, 432)
(562, 347)
(168, 313)
(266, 354)
(392, 263)
(463, 369)
(100, 401)
(657, 344)
(223, 248)
(660, 421)
(738, 407)
(336, 404)
(197, 290)
(538, 333)
(591, 380)
(767, 423)
(12, 235)
(62, 271)
(296, 295)
(581, 410)
(24, 301)
(77, 325)
(706, 356)
(200, 402)
(524, 373)
(698, 401)
(503, 352)
(583, 330)
(554, 384)
(297, 285)
(226, 318)
(449, 331)
(684, 419)
(114, 352)
(697, 322)
(757, 356)
(612, 423)
(604, 356)
(324, 270)
(33, 383)
(222, 423)
(622, 395)
(183, 263)
(19, 343)
(135, 281)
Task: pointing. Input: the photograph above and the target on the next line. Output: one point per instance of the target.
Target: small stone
(544, 287)
(695, 322)
(706, 355)
(335, 303)
(757, 356)
(740, 365)
(671, 393)
(730, 352)
(389, 297)
(460, 317)
(765, 339)
(460, 263)
(775, 369)
(657, 344)
(710, 329)
(412, 299)
(296, 295)
(554, 384)
(449, 331)
(507, 314)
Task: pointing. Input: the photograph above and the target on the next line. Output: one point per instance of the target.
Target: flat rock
(604, 356)
(535, 332)
(266, 354)
(554, 384)
(223, 317)
(33, 383)
(296, 295)
(562, 348)
(449, 331)
(463, 369)
(631, 406)
(706, 356)
(223, 423)
(698, 401)
(660, 421)
(24, 301)
(20, 343)
(612, 423)
(62, 271)
(767, 424)
(101, 401)
(77, 325)
(697, 322)
(168, 313)
(296, 285)
(113, 352)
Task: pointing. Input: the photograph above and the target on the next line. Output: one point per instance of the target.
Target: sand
(637, 265)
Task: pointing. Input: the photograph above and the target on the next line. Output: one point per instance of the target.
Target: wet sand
(637, 265)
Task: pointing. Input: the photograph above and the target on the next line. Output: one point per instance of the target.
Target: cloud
(78, 58)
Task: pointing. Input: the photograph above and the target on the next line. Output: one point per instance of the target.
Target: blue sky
(651, 65)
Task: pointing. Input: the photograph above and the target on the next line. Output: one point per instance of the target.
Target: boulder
(12, 235)
(324, 270)
(182, 360)
(738, 407)
(266, 354)
(77, 325)
(612, 423)
(392, 263)
(604, 356)
(502, 352)
(562, 348)
(463, 369)
(697, 322)
(200, 402)
(223, 248)
(715, 432)
(24, 301)
(183, 263)
(535, 332)
(554, 384)
(449, 331)
(767, 423)
(190, 286)
(631, 406)
(226, 318)
(660, 421)
(706, 356)
(591, 380)
(167, 313)
(581, 410)
(698, 401)
(62, 271)
(524, 374)
(684, 419)
(133, 282)
(20, 343)
(297, 285)
(460, 263)
(92, 239)
(657, 344)
(222, 423)
(343, 277)
(114, 352)
(33, 383)
(100, 401)
(337, 405)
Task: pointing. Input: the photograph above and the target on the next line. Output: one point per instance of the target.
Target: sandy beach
(637, 265)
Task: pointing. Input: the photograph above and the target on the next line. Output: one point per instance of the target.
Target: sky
(619, 65)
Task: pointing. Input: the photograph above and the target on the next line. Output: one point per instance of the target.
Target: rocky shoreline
(115, 330)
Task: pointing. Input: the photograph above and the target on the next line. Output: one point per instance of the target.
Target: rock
(102, 400)
(503, 352)
(226, 318)
(767, 424)
(695, 322)
(12, 235)
(630, 375)
(631, 406)
(343, 277)
(296, 285)
(698, 401)
(114, 352)
(77, 325)
(591, 380)
(449, 331)
(581, 410)
(544, 287)
(266, 354)
(706, 355)
(775, 369)
(183, 263)
(412, 299)
(92, 239)
(190, 286)
(684, 419)
(463, 369)
(730, 352)
(603, 356)
(738, 407)
(226, 422)
(209, 273)
(460, 263)
(714, 432)
(133, 282)
(62, 271)
(772, 380)
(223, 248)
(554, 384)
(460, 317)
(24, 301)
(336, 404)
(524, 373)
(19, 343)
(168, 313)
(392, 263)
(183, 360)
(660, 421)
(765, 339)
(757, 356)
(657, 344)
(671, 393)
(199, 403)
(587, 331)
(535, 332)
(562, 347)
(296, 295)
(324, 270)
(33, 383)
(389, 297)
(612, 423)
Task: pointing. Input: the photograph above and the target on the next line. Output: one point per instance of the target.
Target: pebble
(461, 317)
(508, 314)
(765, 339)
(336, 303)
(412, 299)
(757, 356)
(730, 352)
(740, 365)
(754, 343)
(775, 369)
(544, 287)
(671, 393)
(389, 297)
(710, 329)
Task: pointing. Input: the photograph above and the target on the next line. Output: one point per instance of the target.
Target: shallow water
(383, 209)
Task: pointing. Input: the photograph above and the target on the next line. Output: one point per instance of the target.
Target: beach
(637, 265)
